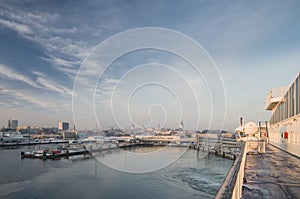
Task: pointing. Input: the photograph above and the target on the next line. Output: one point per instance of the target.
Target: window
(287, 99)
(290, 106)
(292, 100)
(289, 103)
(280, 112)
(286, 107)
(297, 95)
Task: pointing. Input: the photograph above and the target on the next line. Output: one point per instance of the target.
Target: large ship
(284, 129)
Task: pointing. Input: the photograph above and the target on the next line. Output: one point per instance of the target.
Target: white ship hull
(286, 131)
(286, 135)
(284, 102)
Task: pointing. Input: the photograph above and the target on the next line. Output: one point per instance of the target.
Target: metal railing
(232, 185)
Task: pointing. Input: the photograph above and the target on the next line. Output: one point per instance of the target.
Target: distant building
(181, 126)
(63, 126)
(9, 123)
(22, 128)
(14, 124)
(69, 134)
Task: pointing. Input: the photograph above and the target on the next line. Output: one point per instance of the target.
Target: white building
(63, 126)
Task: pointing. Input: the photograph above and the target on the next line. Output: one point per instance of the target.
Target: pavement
(275, 174)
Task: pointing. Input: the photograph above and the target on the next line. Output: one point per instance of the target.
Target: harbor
(256, 168)
(191, 176)
(149, 99)
(262, 158)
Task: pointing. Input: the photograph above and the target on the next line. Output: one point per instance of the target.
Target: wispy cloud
(20, 28)
(18, 95)
(14, 75)
(105, 90)
(43, 28)
(37, 73)
(53, 86)
(41, 82)
(61, 62)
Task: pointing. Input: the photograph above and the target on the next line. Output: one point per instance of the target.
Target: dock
(224, 147)
(81, 149)
(46, 155)
(29, 143)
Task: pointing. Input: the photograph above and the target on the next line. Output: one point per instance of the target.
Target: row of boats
(54, 153)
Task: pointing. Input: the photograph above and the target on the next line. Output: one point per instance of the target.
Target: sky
(204, 62)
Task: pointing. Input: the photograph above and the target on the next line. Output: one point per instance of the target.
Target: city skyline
(254, 45)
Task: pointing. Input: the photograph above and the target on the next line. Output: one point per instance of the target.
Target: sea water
(193, 175)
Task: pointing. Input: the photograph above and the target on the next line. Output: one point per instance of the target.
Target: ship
(284, 124)
(11, 136)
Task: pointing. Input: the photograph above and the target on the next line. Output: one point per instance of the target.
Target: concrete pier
(275, 174)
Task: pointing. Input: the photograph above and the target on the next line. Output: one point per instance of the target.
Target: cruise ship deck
(291, 148)
(275, 174)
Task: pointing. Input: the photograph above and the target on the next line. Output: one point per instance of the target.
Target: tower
(181, 126)
(9, 123)
(14, 124)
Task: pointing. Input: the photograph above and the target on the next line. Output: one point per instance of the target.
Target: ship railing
(232, 185)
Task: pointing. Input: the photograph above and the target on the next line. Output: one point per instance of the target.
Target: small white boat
(11, 136)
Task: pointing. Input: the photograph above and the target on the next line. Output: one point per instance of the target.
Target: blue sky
(255, 46)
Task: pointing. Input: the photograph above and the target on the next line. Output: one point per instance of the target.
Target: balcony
(274, 97)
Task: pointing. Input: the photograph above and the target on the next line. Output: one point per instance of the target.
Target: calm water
(191, 176)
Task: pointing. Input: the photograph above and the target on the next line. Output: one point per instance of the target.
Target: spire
(181, 126)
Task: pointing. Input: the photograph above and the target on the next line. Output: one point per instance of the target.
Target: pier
(220, 146)
(87, 149)
(29, 143)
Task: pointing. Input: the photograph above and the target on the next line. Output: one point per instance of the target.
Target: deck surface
(275, 174)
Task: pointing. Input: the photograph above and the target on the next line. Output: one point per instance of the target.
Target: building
(70, 135)
(181, 125)
(284, 102)
(63, 126)
(9, 124)
(12, 124)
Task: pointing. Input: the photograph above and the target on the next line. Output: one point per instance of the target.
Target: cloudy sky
(51, 67)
